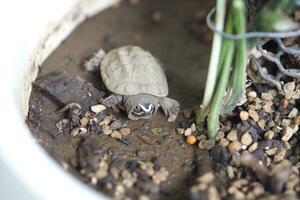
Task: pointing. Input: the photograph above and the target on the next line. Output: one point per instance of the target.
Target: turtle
(136, 82)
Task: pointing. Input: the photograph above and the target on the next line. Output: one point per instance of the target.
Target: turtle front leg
(170, 107)
(111, 100)
(93, 63)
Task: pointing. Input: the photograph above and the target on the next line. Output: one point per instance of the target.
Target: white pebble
(98, 108)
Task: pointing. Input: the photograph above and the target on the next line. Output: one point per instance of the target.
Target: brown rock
(269, 135)
(244, 115)
(261, 123)
(116, 134)
(266, 96)
(106, 130)
(208, 177)
(253, 114)
(293, 113)
(280, 154)
(234, 146)
(289, 132)
(232, 135)
(246, 139)
(84, 121)
(271, 152)
(267, 107)
(124, 131)
(253, 147)
(223, 142)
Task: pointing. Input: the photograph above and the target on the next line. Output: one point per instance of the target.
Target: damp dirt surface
(175, 34)
(255, 154)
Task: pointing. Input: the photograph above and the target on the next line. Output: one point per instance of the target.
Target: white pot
(30, 31)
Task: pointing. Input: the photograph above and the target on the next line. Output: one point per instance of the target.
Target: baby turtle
(136, 80)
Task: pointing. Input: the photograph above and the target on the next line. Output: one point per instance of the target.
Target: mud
(180, 41)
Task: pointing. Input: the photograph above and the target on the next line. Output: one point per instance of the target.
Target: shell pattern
(130, 70)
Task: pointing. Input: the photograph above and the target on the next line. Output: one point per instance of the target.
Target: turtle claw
(111, 100)
(170, 107)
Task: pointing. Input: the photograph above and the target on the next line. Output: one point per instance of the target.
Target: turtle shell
(131, 70)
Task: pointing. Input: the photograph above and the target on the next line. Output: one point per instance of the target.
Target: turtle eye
(137, 109)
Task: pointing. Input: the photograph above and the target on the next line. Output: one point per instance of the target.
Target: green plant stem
(239, 71)
(214, 62)
(226, 62)
(237, 81)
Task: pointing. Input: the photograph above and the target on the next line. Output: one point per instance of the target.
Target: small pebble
(246, 139)
(191, 139)
(75, 131)
(267, 107)
(252, 94)
(208, 177)
(230, 172)
(219, 135)
(213, 193)
(117, 124)
(288, 89)
(207, 144)
(106, 130)
(280, 154)
(94, 180)
(293, 113)
(116, 134)
(289, 132)
(253, 147)
(267, 96)
(261, 123)
(193, 127)
(106, 121)
(84, 121)
(124, 131)
(271, 152)
(253, 114)
(297, 120)
(83, 130)
(223, 142)
(232, 135)
(269, 135)
(188, 132)
(285, 122)
(98, 108)
(244, 115)
(234, 146)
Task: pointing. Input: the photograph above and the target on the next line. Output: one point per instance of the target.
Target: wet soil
(172, 33)
(255, 155)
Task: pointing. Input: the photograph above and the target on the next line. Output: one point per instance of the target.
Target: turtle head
(141, 106)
